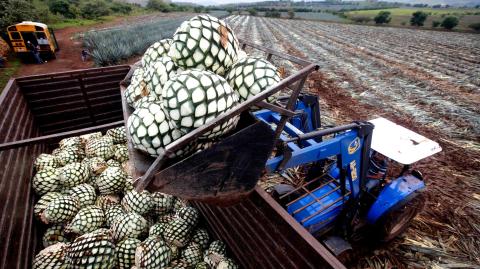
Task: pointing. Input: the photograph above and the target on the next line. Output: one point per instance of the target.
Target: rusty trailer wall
(73, 100)
(261, 234)
(35, 106)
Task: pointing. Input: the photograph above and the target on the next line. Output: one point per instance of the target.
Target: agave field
(426, 80)
(113, 45)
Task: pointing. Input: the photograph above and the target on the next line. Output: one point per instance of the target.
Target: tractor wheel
(397, 221)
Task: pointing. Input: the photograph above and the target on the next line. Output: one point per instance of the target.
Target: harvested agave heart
(46, 160)
(46, 180)
(61, 209)
(131, 225)
(111, 181)
(73, 174)
(118, 135)
(152, 253)
(51, 257)
(125, 253)
(177, 232)
(43, 202)
(192, 254)
(206, 43)
(194, 98)
(138, 202)
(156, 51)
(88, 219)
(54, 234)
(91, 250)
(85, 193)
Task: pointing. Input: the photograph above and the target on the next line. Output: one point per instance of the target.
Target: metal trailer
(40, 110)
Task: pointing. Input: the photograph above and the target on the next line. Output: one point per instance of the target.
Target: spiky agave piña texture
(61, 209)
(137, 88)
(74, 141)
(138, 202)
(178, 264)
(202, 265)
(131, 225)
(112, 213)
(177, 232)
(227, 263)
(111, 181)
(201, 237)
(189, 214)
(158, 73)
(43, 202)
(215, 253)
(96, 165)
(113, 163)
(51, 257)
(86, 137)
(125, 253)
(54, 234)
(152, 253)
(85, 193)
(151, 130)
(204, 42)
(192, 254)
(46, 160)
(100, 147)
(156, 51)
(145, 100)
(121, 153)
(106, 200)
(88, 219)
(46, 180)
(194, 98)
(251, 75)
(70, 155)
(156, 229)
(73, 174)
(118, 135)
(91, 250)
(162, 203)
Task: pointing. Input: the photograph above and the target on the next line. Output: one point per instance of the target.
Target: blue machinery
(344, 188)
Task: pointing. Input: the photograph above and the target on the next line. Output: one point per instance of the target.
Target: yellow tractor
(36, 33)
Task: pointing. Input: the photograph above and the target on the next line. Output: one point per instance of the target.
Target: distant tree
(62, 7)
(119, 7)
(14, 11)
(158, 5)
(418, 18)
(475, 26)
(449, 22)
(199, 9)
(94, 9)
(435, 24)
(252, 11)
(383, 17)
(291, 14)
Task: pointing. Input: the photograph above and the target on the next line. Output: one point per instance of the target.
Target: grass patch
(79, 22)
(10, 70)
(401, 16)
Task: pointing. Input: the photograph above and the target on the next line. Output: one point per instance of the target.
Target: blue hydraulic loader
(358, 177)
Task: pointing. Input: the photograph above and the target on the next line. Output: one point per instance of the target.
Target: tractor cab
(357, 176)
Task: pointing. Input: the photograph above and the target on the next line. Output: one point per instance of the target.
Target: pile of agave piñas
(97, 220)
(189, 80)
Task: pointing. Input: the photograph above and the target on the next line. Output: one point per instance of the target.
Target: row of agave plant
(112, 46)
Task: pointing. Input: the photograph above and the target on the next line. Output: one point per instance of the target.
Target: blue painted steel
(327, 215)
(344, 146)
(303, 122)
(397, 191)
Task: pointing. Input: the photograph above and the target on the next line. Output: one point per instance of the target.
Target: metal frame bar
(299, 78)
